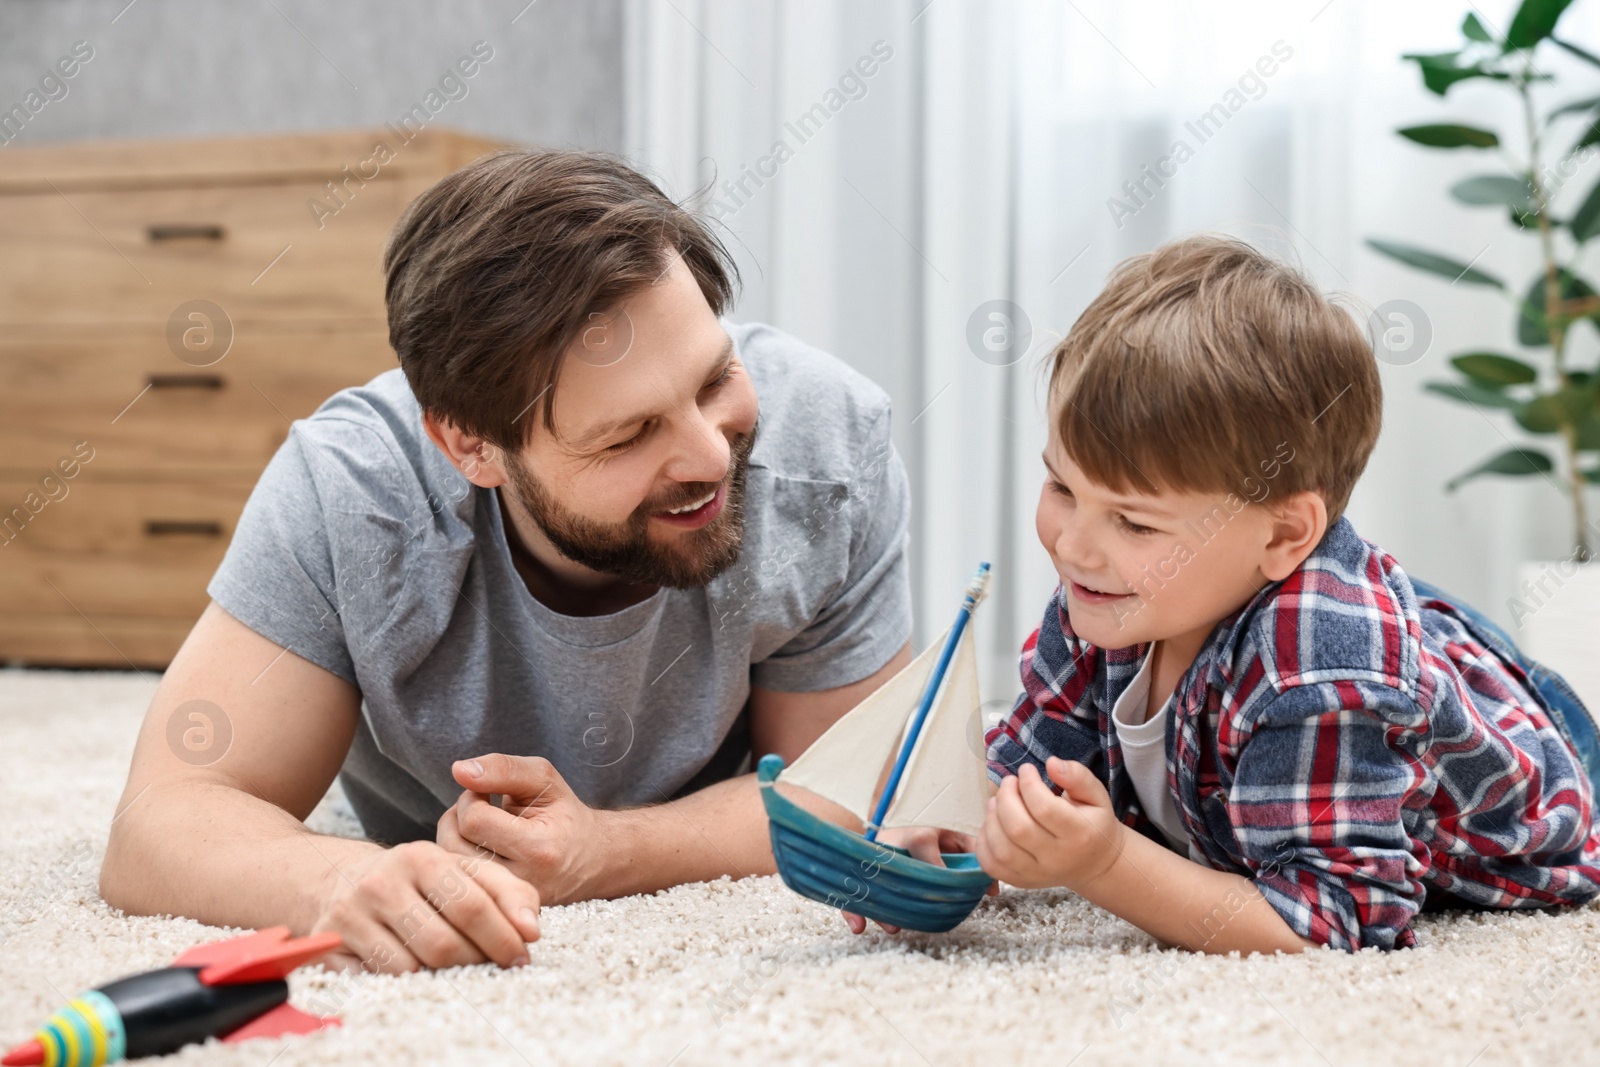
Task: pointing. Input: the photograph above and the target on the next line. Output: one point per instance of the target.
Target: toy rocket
(232, 989)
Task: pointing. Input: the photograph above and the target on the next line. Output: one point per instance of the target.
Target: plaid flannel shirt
(1343, 745)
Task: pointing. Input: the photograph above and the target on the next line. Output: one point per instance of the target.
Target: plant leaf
(1582, 53)
(1548, 412)
(1531, 329)
(1450, 135)
(1578, 398)
(1590, 135)
(1574, 107)
(1440, 70)
(1494, 370)
(1513, 461)
(1538, 416)
(1534, 21)
(1523, 220)
(1589, 434)
(1422, 259)
(1473, 29)
(1514, 193)
(1472, 393)
(1586, 220)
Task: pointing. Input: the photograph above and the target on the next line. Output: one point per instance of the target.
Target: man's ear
(480, 461)
(1298, 522)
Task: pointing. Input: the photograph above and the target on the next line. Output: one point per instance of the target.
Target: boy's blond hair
(1207, 366)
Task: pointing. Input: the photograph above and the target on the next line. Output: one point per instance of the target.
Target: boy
(1261, 733)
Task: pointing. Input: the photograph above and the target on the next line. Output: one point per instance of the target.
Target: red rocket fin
(284, 1019)
(231, 947)
(258, 957)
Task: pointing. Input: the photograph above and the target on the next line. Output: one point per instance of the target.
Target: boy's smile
(1094, 596)
(1139, 568)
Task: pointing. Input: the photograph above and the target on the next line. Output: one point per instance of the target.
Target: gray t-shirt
(364, 551)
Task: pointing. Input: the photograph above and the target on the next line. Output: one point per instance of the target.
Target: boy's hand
(1033, 838)
(924, 843)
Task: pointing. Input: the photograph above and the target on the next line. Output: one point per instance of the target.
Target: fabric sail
(946, 782)
(844, 764)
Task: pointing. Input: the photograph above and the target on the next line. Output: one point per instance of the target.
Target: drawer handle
(186, 381)
(171, 527)
(178, 231)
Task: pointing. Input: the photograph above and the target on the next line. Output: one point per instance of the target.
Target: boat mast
(976, 589)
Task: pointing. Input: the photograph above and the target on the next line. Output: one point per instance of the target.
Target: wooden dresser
(166, 308)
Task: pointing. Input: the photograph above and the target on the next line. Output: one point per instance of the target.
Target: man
(588, 549)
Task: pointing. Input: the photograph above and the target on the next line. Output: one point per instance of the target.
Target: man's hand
(416, 905)
(544, 834)
(924, 843)
(1033, 838)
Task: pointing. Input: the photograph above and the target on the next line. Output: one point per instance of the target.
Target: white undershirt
(1144, 755)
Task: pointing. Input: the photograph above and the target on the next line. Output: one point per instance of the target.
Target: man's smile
(696, 513)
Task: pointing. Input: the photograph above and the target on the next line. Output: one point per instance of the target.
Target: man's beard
(625, 549)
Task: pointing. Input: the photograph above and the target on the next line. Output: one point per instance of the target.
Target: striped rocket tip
(28, 1054)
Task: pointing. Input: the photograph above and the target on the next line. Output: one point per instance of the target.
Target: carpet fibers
(747, 972)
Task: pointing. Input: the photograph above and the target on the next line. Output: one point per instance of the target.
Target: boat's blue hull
(827, 863)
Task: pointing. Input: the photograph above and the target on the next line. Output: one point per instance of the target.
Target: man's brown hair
(495, 269)
(1202, 365)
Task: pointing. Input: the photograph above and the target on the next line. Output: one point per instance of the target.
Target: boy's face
(1138, 568)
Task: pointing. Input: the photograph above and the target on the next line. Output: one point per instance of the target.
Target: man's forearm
(217, 854)
(722, 829)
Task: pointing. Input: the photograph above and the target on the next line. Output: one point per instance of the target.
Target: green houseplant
(1541, 389)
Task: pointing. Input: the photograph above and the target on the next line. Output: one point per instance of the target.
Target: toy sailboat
(939, 779)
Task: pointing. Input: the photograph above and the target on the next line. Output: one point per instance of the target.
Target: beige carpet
(747, 972)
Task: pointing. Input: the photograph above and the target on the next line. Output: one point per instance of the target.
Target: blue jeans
(1566, 710)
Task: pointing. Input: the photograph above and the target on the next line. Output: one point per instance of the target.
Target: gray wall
(182, 67)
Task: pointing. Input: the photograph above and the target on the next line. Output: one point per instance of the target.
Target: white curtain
(979, 162)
